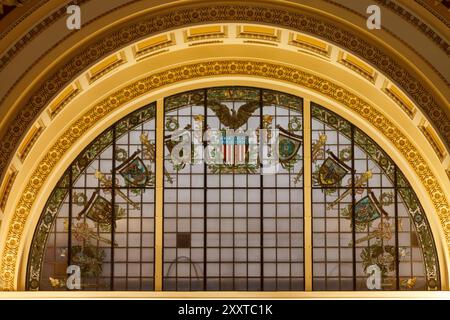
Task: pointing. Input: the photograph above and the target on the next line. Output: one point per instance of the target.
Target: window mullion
(113, 205)
(159, 197)
(307, 218)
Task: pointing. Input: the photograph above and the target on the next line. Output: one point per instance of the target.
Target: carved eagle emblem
(231, 118)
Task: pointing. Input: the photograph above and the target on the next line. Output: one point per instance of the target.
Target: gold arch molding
(226, 40)
(282, 14)
(385, 131)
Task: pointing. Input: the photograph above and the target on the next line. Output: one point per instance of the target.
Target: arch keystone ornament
(16, 225)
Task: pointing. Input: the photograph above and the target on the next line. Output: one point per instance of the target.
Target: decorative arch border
(9, 259)
(251, 13)
(147, 113)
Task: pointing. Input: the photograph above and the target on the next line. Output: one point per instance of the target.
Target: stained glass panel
(233, 204)
(249, 226)
(100, 217)
(364, 235)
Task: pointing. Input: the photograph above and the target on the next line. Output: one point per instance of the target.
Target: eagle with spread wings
(233, 119)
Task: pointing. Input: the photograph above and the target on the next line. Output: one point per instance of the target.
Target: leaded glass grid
(250, 224)
(114, 248)
(229, 226)
(365, 214)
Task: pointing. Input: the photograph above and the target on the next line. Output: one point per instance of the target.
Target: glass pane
(100, 218)
(249, 225)
(364, 215)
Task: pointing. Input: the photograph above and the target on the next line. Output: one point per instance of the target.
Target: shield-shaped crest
(332, 171)
(368, 209)
(134, 171)
(289, 144)
(234, 149)
(98, 209)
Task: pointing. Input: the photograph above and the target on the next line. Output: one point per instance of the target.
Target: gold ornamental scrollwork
(250, 13)
(16, 225)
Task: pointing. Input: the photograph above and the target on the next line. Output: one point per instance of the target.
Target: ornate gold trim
(69, 93)
(149, 46)
(16, 22)
(439, 13)
(251, 13)
(433, 139)
(9, 259)
(416, 22)
(399, 98)
(357, 66)
(105, 66)
(310, 43)
(54, 16)
(205, 32)
(30, 139)
(6, 189)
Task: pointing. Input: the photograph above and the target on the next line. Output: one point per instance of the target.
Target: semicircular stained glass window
(233, 225)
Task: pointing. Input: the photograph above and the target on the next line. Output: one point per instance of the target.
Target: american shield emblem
(134, 171)
(289, 144)
(332, 171)
(368, 209)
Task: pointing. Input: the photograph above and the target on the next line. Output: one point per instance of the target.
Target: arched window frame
(45, 223)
